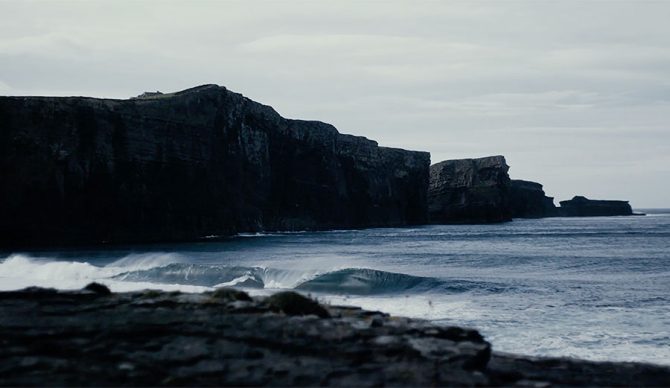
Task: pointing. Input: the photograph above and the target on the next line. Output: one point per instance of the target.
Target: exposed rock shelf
(179, 166)
(94, 338)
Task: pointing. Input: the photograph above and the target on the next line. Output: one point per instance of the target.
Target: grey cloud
(575, 94)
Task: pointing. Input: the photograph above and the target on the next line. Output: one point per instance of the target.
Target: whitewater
(595, 288)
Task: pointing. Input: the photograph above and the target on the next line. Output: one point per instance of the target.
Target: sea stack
(580, 206)
(469, 191)
(179, 166)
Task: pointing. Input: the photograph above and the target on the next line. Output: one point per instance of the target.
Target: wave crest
(163, 271)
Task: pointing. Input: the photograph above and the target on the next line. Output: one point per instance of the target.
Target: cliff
(180, 166)
(469, 190)
(580, 206)
(480, 191)
(528, 200)
(97, 338)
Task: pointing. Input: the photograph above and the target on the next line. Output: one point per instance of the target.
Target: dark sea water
(594, 288)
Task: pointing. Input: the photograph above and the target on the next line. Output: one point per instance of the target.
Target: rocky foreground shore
(225, 337)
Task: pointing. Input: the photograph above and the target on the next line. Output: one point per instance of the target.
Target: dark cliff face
(528, 200)
(204, 161)
(580, 206)
(480, 191)
(469, 190)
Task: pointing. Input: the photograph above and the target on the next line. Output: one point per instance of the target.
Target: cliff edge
(180, 166)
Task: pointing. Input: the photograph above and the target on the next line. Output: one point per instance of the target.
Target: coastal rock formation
(180, 166)
(480, 191)
(93, 337)
(528, 200)
(469, 191)
(223, 338)
(580, 206)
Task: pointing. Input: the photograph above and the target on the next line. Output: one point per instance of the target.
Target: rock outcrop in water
(528, 200)
(180, 166)
(469, 191)
(225, 337)
(580, 206)
(481, 191)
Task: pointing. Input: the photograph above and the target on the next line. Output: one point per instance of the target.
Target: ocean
(594, 288)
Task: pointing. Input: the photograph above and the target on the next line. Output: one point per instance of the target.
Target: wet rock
(51, 337)
(139, 339)
(231, 294)
(98, 288)
(510, 369)
(292, 303)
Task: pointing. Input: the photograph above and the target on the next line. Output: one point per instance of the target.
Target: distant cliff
(481, 191)
(204, 161)
(469, 190)
(583, 207)
(528, 200)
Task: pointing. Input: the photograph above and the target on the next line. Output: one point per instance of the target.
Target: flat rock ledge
(94, 337)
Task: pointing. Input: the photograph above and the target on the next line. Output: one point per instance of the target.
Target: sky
(576, 95)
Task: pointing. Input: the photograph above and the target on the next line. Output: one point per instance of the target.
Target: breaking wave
(218, 276)
(160, 270)
(364, 281)
(349, 281)
(20, 271)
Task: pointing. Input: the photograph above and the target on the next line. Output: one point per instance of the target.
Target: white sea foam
(20, 271)
(597, 335)
(235, 281)
(138, 261)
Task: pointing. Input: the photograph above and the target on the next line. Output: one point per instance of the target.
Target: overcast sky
(576, 95)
